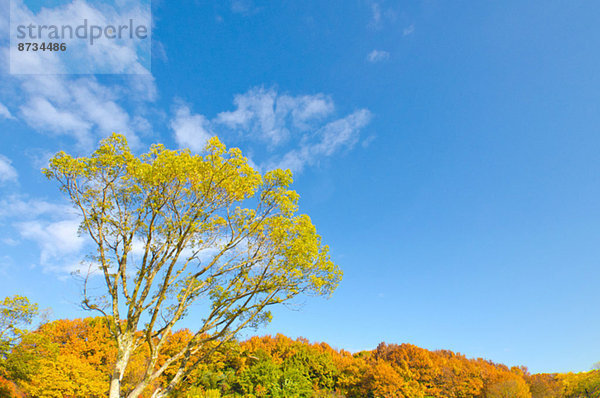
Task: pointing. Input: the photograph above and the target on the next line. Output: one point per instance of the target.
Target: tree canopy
(16, 313)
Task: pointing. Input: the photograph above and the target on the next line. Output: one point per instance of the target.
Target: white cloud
(81, 108)
(52, 226)
(269, 116)
(378, 56)
(328, 140)
(4, 112)
(284, 130)
(41, 114)
(97, 104)
(308, 108)
(7, 172)
(142, 88)
(258, 111)
(191, 131)
(55, 239)
(16, 206)
(342, 132)
(408, 30)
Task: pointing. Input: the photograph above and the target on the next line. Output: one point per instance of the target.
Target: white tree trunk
(138, 390)
(115, 387)
(124, 346)
(159, 394)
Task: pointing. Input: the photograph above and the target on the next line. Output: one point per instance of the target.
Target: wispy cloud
(4, 112)
(283, 130)
(381, 15)
(81, 108)
(43, 115)
(7, 172)
(55, 239)
(409, 30)
(378, 56)
(375, 21)
(23, 208)
(53, 227)
(342, 133)
(269, 116)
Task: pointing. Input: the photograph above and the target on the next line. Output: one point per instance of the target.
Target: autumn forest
(74, 358)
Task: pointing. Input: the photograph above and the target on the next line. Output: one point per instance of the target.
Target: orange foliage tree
(70, 358)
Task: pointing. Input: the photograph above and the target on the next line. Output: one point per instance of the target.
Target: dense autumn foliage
(72, 358)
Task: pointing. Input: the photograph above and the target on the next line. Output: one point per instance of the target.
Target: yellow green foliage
(581, 385)
(16, 313)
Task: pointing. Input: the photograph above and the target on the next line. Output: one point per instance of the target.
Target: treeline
(72, 358)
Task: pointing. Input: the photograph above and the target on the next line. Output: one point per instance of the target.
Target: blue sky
(446, 151)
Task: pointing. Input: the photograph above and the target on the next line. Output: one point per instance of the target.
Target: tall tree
(170, 229)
